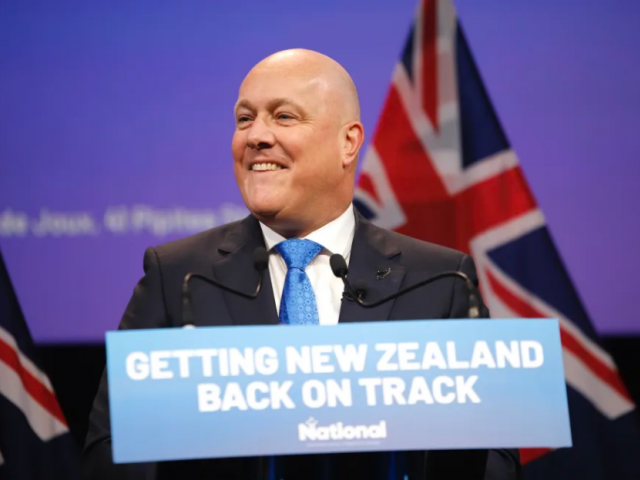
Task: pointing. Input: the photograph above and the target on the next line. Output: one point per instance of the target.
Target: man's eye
(284, 116)
(243, 119)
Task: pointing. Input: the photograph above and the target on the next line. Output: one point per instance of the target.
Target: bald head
(333, 81)
(296, 143)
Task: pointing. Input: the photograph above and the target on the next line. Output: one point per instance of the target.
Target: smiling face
(296, 142)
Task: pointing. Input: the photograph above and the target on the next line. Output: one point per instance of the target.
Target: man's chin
(265, 212)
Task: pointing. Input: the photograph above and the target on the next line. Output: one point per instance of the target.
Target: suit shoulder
(202, 243)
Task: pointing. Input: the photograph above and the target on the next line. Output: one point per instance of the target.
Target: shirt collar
(336, 236)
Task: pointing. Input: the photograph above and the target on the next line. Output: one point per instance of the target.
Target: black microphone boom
(340, 270)
(260, 263)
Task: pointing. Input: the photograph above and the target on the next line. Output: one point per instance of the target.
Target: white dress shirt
(335, 237)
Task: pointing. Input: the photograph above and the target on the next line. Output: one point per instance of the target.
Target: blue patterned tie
(298, 304)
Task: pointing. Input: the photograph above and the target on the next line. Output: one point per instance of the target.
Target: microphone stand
(260, 263)
(340, 270)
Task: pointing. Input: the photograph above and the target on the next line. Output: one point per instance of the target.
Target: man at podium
(295, 150)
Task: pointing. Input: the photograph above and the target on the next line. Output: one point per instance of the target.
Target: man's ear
(353, 138)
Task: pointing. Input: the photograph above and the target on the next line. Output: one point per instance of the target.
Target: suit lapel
(375, 260)
(236, 270)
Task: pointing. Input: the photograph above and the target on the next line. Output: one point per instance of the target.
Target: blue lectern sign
(270, 390)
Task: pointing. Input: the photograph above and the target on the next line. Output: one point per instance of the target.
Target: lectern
(383, 400)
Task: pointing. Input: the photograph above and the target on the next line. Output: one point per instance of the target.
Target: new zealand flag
(35, 443)
(441, 169)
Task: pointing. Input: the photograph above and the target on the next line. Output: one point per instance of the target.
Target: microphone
(358, 292)
(260, 263)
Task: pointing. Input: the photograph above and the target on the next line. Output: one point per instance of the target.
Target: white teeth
(263, 167)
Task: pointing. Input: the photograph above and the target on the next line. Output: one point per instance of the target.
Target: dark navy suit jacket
(226, 253)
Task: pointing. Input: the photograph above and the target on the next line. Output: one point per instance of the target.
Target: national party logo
(312, 431)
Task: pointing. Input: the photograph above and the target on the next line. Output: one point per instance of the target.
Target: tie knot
(298, 253)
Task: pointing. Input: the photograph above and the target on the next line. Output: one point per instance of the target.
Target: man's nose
(260, 136)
